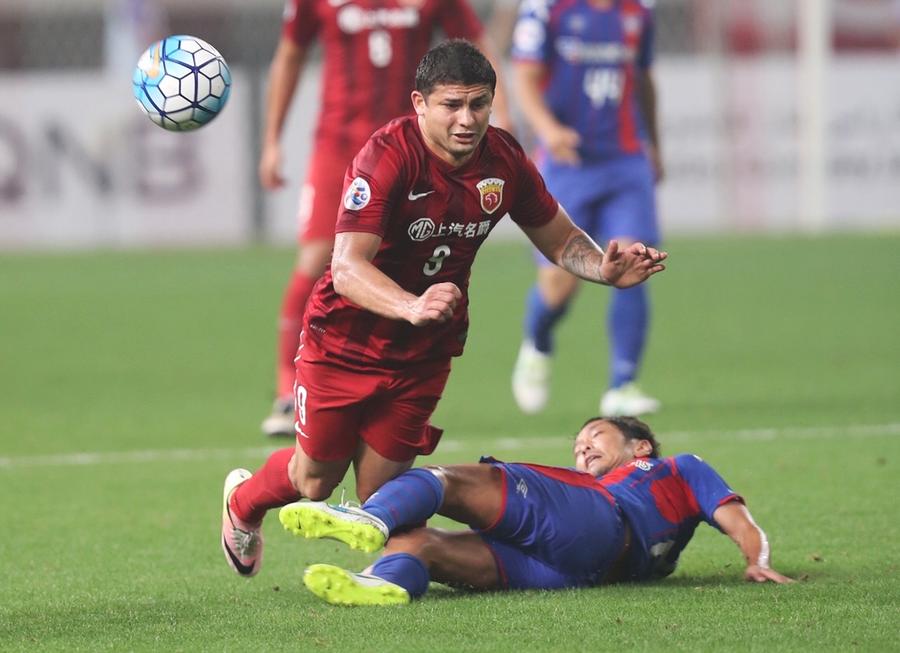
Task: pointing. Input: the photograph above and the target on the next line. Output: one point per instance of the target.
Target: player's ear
(642, 448)
(418, 101)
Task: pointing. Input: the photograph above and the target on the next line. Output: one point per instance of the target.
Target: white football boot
(348, 524)
(627, 400)
(531, 379)
(280, 422)
(341, 587)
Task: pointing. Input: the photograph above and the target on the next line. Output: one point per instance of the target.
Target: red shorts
(320, 195)
(336, 407)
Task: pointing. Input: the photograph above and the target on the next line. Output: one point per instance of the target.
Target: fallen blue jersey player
(622, 514)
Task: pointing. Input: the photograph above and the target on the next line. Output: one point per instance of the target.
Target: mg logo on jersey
(491, 191)
(358, 194)
(421, 229)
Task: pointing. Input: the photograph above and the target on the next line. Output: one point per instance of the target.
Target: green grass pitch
(132, 382)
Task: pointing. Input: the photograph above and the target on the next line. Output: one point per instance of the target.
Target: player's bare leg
(473, 494)
(374, 470)
(531, 374)
(458, 558)
(315, 479)
(312, 260)
(410, 560)
(556, 285)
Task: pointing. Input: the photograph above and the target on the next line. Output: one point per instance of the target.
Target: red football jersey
(370, 50)
(432, 219)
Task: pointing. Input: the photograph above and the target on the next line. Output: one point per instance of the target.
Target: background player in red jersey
(384, 321)
(369, 53)
(623, 514)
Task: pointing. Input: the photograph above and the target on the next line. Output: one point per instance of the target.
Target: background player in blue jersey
(622, 514)
(583, 78)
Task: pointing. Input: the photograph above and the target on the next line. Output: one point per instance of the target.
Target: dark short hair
(456, 61)
(632, 428)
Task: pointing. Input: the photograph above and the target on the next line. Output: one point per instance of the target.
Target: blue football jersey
(663, 501)
(591, 56)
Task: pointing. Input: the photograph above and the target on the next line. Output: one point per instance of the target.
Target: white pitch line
(483, 444)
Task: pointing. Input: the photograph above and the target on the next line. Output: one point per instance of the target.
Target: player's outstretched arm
(738, 524)
(365, 285)
(574, 251)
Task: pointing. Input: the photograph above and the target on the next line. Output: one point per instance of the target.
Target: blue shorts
(558, 529)
(608, 199)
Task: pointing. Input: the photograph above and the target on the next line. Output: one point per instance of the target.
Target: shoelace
(348, 503)
(244, 543)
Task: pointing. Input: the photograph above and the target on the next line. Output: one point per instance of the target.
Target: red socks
(269, 487)
(289, 324)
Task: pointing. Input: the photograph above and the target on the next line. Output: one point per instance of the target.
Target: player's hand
(630, 266)
(436, 304)
(757, 574)
(270, 167)
(562, 144)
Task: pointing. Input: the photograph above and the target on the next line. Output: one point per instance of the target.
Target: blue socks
(409, 499)
(404, 570)
(627, 320)
(540, 320)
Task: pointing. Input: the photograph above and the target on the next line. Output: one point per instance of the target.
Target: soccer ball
(181, 83)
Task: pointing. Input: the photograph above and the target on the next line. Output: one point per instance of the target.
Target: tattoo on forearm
(582, 257)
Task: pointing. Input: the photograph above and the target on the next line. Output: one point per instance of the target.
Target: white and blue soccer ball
(181, 83)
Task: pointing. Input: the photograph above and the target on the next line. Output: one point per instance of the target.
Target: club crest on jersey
(491, 191)
(357, 195)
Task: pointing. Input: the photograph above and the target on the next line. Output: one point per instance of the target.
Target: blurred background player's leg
(319, 199)
(628, 215)
(548, 300)
(547, 303)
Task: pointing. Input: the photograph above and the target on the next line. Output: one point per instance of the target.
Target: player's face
(600, 447)
(453, 119)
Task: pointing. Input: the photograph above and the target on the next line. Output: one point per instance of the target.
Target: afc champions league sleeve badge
(358, 194)
(491, 193)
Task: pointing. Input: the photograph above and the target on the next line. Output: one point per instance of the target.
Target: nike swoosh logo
(414, 196)
(242, 569)
(337, 3)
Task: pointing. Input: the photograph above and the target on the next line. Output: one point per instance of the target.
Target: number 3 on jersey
(434, 264)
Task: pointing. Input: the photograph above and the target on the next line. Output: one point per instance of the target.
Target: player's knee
(312, 488)
(316, 489)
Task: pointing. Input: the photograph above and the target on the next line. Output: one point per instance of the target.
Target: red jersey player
(385, 320)
(369, 51)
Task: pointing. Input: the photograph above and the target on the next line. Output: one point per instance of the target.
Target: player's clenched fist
(436, 304)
